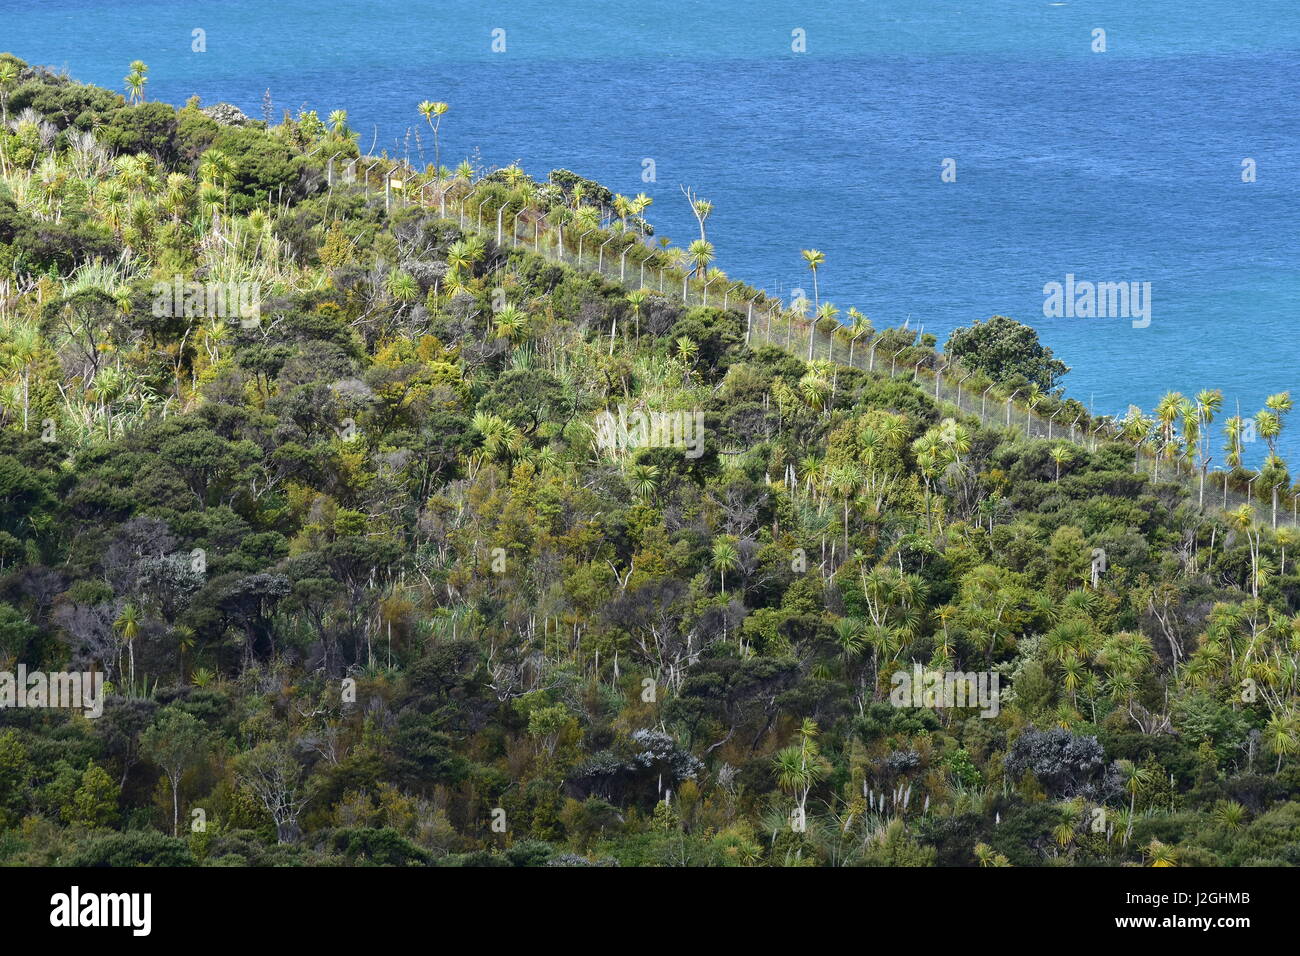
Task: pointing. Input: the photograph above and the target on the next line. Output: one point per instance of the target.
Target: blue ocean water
(1123, 165)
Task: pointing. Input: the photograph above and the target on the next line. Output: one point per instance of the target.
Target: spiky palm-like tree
(215, 171)
(1135, 779)
(1243, 520)
(1161, 854)
(701, 209)
(1168, 412)
(1280, 403)
(433, 112)
(1282, 736)
(825, 313)
(845, 481)
(1229, 814)
(851, 638)
(135, 81)
(8, 80)
(687, 353)
(936, 451)
(501, 439)
(725, 558)
(929, 462)
(700, 252)
(637, 300)
(177, 192)
(1208, 403)
(800, 766)
(1269, 420)
(1268, 425)
(639, 204)
(511, 324)
(814, 258)
(1063, 833)
(1136, 427)
(987, 856)
(463, 255)
(338, 124)
(1287, 537)
(643, 479)
(622, 209)
(127, 625)
(1234, 428)
(402, 287)
(1061, 455)
(24, 347)
(859, 325)
(814, 389)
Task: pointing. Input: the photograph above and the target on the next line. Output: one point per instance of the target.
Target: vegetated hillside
(369, 590)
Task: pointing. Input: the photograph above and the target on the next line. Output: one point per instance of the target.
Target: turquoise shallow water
(1115, 166)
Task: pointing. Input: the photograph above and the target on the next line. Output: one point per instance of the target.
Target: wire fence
(624, 257)
(1215, 491)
